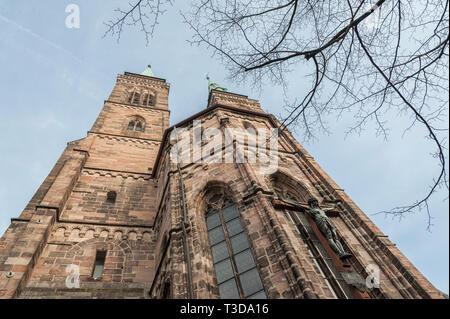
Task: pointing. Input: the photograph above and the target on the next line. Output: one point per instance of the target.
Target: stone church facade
(117, 218)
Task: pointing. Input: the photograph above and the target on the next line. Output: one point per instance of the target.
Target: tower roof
(148, 71)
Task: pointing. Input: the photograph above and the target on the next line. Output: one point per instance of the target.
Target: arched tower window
(141, 98)
(236, 272)
(149, 99)
(138, 127)
(134, 97)
(136, 124)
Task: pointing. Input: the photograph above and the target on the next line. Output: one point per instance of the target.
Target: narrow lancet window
(99, 264)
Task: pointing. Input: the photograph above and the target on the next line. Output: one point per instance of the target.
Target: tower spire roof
(148, 71)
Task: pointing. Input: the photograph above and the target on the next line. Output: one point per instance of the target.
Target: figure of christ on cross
(323, 222)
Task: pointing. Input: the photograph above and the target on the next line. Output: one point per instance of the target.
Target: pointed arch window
(134, 97)
(236, 272)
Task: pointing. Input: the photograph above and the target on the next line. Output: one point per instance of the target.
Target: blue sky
(54, 81)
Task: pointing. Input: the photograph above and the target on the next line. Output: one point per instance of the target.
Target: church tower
(211, 207)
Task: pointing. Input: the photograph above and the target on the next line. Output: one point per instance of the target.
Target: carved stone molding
(66, 232)
(148, 82)
(128, 139)
(98, 172)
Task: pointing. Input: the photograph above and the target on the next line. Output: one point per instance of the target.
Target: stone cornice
(218, 97)
(137, 79)
(81, 225)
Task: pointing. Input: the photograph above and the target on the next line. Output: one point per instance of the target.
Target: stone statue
(326, 226)
(214, 86)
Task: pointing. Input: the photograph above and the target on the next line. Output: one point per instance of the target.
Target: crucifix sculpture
(323, 222)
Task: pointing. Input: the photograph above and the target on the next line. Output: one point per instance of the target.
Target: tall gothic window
(236, 272)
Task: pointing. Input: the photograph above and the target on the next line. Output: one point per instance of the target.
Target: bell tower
(136, 113)
(93, 216)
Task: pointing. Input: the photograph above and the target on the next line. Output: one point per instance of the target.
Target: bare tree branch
(142, 13)
(374, 59)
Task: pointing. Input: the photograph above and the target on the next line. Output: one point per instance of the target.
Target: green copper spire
(214, 86)
(148, 71)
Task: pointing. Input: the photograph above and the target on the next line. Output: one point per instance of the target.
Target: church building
(142, 209)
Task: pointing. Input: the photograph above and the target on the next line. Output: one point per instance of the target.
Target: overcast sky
(54, 81)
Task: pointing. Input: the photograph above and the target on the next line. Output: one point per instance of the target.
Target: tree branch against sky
(144, 14)
(374, 60)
